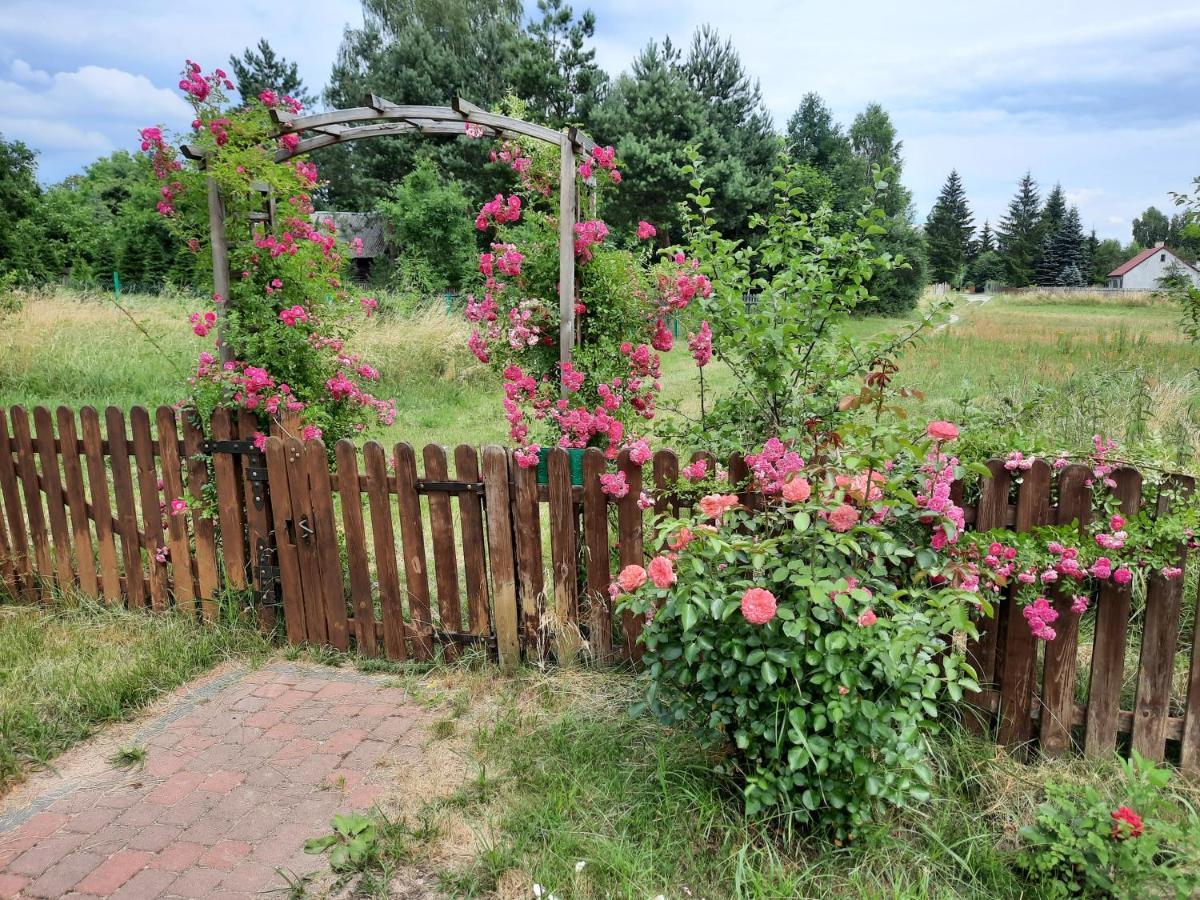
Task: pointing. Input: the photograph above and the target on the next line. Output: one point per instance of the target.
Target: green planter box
(574, 454)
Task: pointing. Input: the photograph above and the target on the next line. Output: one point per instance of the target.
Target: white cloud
(22, 71)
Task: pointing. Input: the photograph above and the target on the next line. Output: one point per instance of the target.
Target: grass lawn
(1064, 368)
(64, 673)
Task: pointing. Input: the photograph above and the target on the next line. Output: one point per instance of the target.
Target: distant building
(1146, 270)
(367, 227)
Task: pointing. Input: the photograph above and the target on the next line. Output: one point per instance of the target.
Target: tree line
(489, 51)
(1036, 242)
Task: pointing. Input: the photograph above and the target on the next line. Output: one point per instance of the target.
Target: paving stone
(226, 854)
(114, 872)
(195, 883)
(10, 885)
(148, 884)
(177, 857)
(63, 875)
(155, 837)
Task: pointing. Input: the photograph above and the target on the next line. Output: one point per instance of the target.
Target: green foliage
(1080, 847)
(557, 74)
(1151, 227)
(948, 233)
(986, 267)
(352, 846)
(428, 226)
(1107, 255)
(1019, 233)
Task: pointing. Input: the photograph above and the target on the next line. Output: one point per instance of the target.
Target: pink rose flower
(796, 490)
(868, 618)
(942, 431)
(645, 230)
(758, 606)
(714, 506)
(662, 572)
(178, 507)
(631, 578)
(843, 518)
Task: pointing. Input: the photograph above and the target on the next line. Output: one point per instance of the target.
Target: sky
(1098, 95)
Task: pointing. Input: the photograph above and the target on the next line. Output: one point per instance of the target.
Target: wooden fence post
(631, 551)
(501, 556)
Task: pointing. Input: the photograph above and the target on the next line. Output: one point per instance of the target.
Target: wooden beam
(581, 140)
(566, 250)
(220, 262)
(350, 134)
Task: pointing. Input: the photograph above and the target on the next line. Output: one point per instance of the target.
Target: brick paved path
(240, 771)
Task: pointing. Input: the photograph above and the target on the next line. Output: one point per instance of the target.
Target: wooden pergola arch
(383, 118)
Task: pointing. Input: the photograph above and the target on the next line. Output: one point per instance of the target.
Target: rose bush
(288, 316)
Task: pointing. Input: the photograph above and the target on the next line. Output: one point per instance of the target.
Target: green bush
(427, 218)
(1085, 845)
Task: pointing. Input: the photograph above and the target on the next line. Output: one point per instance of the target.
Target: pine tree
(948, 232)
(1069, 249)
(1017, 236)
(1050, 222)
(1089, 257)
(256, 72)
(987, 241)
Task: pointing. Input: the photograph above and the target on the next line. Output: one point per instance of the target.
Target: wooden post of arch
(566, 251)
(220, 263)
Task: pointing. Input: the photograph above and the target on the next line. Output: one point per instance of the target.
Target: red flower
(1123, 816)
(758, 606)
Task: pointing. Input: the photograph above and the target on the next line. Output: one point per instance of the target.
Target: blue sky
(1101, 96)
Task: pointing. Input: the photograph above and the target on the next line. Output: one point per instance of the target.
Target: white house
(1147, 269)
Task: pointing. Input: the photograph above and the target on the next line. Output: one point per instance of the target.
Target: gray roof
(351, 225)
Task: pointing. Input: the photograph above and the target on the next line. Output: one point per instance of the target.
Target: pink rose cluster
(587, 235)
(700, 344)
(499, 211)
(604, 159)
(773, 465)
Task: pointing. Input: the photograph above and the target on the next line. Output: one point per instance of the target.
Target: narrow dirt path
(241, 769)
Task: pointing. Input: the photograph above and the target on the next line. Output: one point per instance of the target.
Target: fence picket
(102, 515)
(184, 581)
(599, 557)
(563, 556)
(631, 551)
(312, 590)
(470, 514)
(56, 506)
(127, 527)
(229, 503)
(528, 529)
(33, 500)
(991, 512)
(502, 557)
(1108, 647)
(152, 503)
(1160, 630)
(386, 572)
(441, 530)
(1059, 661)
(412, 537)
(85, 558)
(204, 530)
(258, 516)
(332, 598)
(356, 548)
(286, 555)
(1189, 744)
(17, 535)
(666, 472)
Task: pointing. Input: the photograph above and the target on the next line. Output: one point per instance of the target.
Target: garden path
(241, 768)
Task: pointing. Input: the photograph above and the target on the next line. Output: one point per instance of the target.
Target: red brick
(223, 782)
(160, 765)
(196, 883)
(197, 741)
(271, 691)
(45, 853)
(225, 854)
(249, 878)
(263, 719)
(174, 788)
(145, 885)
(294, 750)
(63, 876)
(177, 857)
(155, 837)
(344, 741)
(10, 885)
(335, 690)
(41, 825)
(284, 731)
(376, 711)
(115, 871)
(91, 821)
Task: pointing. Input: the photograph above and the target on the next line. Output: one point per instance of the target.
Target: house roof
(1142, 257)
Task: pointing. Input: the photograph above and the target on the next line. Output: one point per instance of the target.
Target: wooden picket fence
(395, 556)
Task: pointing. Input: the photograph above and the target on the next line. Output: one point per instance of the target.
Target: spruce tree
(1050, 222)
(1068, 250)
(987, 241)
(948, 232)
(263, 70)
(1017, 236)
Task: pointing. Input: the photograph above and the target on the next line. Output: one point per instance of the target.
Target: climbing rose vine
(289, 315)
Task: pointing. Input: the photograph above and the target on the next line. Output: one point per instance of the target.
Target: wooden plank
(501, 556)
(33, 499)
(81, 532)
(229, 503)
(599, 559)
(470, 514)
(1017, 675)
(8, 576)
(152, 503)
(666, 473)
(441, 528)
(412, 537)
(530, 579)
(631, 551)
(10, 492)
(316, 630)
(1059, 659)
(1108, 647)
(127, 527)
(356, 548)
(563, 557)
(184, 581)
(286, 555)
(325, 539)
(739, 478)
(386, 570)
(981, 651)
(51, 483)
(1160, 633)
(1189, 743)
(204, 529)
(102, 516)
(568, 215)
(258, 518)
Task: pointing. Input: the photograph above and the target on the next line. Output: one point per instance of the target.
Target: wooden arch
(383, 118)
